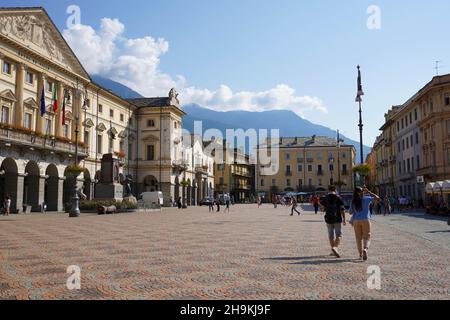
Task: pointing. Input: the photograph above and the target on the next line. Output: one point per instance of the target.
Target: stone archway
(194, 193)
(31, 186)
(177, 190)
(9, 182)
(51, 191)
(150, 184)
(189, 192)
(68, 186)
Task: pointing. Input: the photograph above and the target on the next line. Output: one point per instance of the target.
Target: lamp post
(339, 161)
(359, 100)
(332, 169)
(75, 211)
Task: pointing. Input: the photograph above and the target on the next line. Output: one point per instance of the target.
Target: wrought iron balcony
(180, 165)
(27, 139)
(203, 169)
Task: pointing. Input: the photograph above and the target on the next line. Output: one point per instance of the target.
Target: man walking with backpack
(334, 217)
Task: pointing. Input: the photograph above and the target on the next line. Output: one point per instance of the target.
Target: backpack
(331, 209)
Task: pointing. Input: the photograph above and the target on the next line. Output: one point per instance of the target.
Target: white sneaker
(336, 252)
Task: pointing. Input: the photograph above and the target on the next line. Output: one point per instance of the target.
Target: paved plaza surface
(247, 254)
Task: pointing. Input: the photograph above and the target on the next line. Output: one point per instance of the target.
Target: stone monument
(109, 186)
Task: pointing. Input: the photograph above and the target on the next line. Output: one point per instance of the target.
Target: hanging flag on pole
(360, 88)
(43, 108)
(64, 112)
(55, 98)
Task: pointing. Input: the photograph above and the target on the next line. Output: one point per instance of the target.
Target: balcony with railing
(245, 187)
(201, 169)
(180, 165)
(320, 172)
(288, 173)
(27, 139)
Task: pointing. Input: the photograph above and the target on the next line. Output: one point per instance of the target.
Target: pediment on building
(123, 134)
(33, 30)
(31, 103)
(50, 109)
(69, 115)
(150, 138)
(113, 131)
(88, 123)
(8, 95)
(101, 127)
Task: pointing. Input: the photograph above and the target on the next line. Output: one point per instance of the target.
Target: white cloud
(135, 63)
(281, 97)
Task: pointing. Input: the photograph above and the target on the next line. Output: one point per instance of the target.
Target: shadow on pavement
(440, 231)
(314, 260)
(295, 258)
(318, 262)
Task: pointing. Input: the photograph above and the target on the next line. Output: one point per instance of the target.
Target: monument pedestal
(111, 191)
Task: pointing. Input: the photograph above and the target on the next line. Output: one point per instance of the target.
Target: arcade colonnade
(30, 183)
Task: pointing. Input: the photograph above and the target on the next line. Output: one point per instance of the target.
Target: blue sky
(312, 47)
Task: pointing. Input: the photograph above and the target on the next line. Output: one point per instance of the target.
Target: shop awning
(430, 187)
(438, 187)
(446, 187)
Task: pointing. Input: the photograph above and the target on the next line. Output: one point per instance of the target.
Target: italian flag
(55, 98)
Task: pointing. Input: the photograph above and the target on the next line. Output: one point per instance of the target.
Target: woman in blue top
(360, 211)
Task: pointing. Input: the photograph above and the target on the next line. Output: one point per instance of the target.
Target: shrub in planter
(75, 170)
(92, 205)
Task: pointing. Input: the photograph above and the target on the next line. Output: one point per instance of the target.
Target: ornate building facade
(38, 138)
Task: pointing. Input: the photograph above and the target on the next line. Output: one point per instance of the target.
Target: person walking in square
(211, 205)
(294, 204)
(7, 205)
(387, 206)
(362, 198)
(218, 204)
(334, 217)
(227, 204)
(315, 202)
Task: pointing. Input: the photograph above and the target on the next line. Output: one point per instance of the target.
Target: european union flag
(43, 101)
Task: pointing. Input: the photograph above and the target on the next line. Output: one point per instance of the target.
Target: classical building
(38, 139)
(433, 108)
(236, 176)
(306, 164)
(385, 159)
(418, 136)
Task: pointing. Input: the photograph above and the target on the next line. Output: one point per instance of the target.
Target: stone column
(19, 193)
(40, 121)
(61, 194)
(58, 116)
(20, 79)
(41, 196)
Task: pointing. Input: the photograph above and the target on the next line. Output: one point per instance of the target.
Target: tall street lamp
(331, 160)
(339, 160)
(359, 100)
(75, 211)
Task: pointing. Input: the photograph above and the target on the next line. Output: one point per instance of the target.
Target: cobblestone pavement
(192, 254)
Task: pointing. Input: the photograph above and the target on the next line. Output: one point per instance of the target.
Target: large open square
(249, 253)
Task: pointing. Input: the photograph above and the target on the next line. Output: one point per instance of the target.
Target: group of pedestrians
(216, 205)
(360, 219)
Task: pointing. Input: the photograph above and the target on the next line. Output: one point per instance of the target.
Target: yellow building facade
(307, 164)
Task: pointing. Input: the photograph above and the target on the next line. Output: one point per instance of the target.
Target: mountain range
(289, 123)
